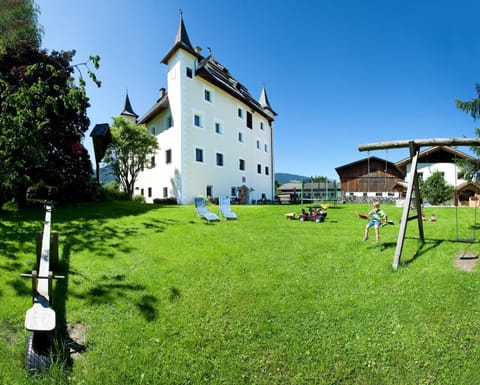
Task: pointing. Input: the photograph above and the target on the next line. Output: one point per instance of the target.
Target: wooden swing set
(413, 189)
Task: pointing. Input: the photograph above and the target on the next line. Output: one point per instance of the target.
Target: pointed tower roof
(128, 110)
(265, 103)
(181, 41)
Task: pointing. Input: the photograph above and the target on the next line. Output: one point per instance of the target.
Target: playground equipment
(40, 319)
(413, 190)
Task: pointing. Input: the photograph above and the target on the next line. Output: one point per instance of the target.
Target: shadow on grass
(86, 226)
(69, 340)
(422, 249)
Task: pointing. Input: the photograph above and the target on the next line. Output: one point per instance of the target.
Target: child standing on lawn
(376, 218)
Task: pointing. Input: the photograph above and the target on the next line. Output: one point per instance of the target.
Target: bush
(138, 198)
(165, 201)
(111, 191)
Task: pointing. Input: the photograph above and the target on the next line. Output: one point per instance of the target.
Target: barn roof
(370, 159)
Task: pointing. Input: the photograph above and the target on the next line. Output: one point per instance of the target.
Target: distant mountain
(282, 177)
(106, 175)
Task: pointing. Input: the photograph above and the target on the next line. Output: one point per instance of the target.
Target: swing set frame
(413, 189)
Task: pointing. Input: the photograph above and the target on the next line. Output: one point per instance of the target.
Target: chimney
(198, 49)
(162, 92)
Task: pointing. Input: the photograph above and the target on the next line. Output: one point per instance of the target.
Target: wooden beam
(420, 143)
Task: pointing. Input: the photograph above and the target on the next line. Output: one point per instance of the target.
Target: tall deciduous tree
(130, 152)
(42, 122)
(19, 21)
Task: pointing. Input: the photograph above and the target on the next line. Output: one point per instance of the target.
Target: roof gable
(437, 154)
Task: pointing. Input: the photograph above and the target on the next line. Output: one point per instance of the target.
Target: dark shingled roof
(158, 107)
(217, 74)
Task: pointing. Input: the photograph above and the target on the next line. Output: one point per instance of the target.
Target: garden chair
(202, 210)
(226, 209)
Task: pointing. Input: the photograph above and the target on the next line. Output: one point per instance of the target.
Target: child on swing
(376, 218)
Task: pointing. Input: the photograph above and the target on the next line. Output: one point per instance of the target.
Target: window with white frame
(189, 72)
(266, 147)
(208, 95)
(219, 128)
(258, 145)
(219, 159)
(197, 120)
(168, 156)
(249, 120)
(241, 164)
(267, 170)
(168, 121)
(261, 126)
(240, 113)
(199, 155)
(259, 168)
(165, 192)
(241, 137)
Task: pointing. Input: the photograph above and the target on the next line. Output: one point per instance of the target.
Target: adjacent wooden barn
(370, 177)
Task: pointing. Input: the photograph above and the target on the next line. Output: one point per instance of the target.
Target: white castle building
(215, 139)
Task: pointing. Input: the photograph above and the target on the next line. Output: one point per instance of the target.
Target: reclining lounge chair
(202, 210)
(226, 209)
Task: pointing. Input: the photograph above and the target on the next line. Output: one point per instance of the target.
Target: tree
(435, 189)
(19, 21)
(473, 106)
(42, 123)
(130, 152)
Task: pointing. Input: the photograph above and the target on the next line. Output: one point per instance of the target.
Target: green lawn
(155, 295)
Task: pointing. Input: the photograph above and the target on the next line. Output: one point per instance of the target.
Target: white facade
(205, 146)
(449, 171)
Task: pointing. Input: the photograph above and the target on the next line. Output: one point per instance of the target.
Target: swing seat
(465, 240)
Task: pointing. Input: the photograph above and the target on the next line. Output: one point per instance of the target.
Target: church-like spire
(181, 41)
(128, 112)
(265, 103)
(182, 35)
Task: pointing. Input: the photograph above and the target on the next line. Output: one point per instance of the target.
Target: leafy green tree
(42, 123)
(130, 152)
(19, 21)
(435, 189)
(473, 106)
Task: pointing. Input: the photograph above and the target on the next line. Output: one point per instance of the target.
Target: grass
(162, 297)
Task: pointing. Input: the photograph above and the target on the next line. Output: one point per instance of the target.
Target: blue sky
(339, 73)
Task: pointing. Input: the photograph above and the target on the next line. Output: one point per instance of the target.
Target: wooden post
(406, 210)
